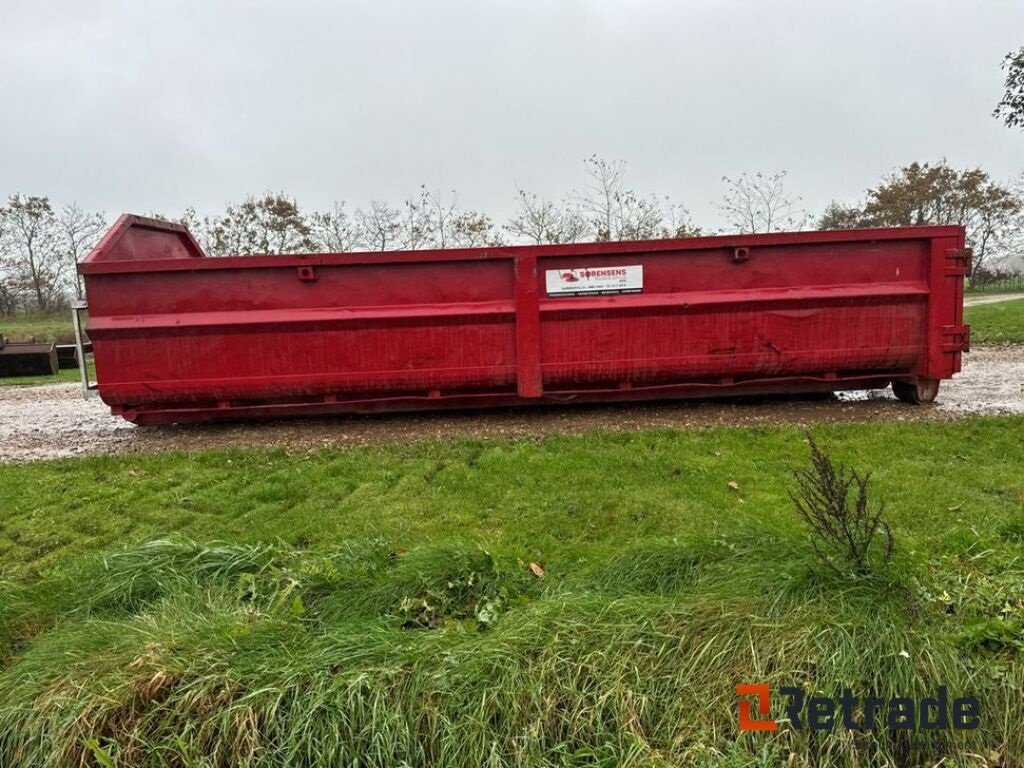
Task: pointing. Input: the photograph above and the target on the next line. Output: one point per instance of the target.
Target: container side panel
(947, 336)
(263, 363)
(781, 311)
(260, 288)
(736, 343)
(267, 334)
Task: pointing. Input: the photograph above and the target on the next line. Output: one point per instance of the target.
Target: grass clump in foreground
(377, 606)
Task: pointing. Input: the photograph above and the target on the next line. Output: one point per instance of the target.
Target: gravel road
(53, 421)
(974, 300)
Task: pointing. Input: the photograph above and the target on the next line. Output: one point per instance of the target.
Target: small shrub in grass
(453, 583)
(849, 534)
(993, 634)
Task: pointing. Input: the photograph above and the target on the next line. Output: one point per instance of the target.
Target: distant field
(572, 601)
(43, 328)
(1005, 285)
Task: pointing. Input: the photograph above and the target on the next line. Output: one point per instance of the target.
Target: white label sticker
(594, 281)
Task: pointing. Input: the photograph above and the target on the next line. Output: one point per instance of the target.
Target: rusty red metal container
(179, 336)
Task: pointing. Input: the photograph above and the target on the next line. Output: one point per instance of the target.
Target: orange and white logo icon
(763, 694)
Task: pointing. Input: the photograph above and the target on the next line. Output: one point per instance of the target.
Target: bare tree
(78, 231)
(416, 223)
(10, 285)
(381, 226)
(10, 291)
(616, 212)
(427, 219)
(32, 242)
(640, 218)
(442, 215)
(334, 231)
(759, 203)
(601, 198)
(539, 221)
(676, 221)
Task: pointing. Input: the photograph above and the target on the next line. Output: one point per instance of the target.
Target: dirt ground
(53, 421)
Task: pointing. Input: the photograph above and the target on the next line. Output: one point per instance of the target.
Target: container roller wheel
(920, 392)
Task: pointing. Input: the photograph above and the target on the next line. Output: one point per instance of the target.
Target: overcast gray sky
(146, 106)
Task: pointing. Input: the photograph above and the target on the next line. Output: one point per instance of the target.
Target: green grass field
(377, 606)
(999, 323)
(63, 376)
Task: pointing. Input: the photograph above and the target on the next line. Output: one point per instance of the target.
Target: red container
(182, 337)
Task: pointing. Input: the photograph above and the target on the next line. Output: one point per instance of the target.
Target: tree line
(41, 244)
